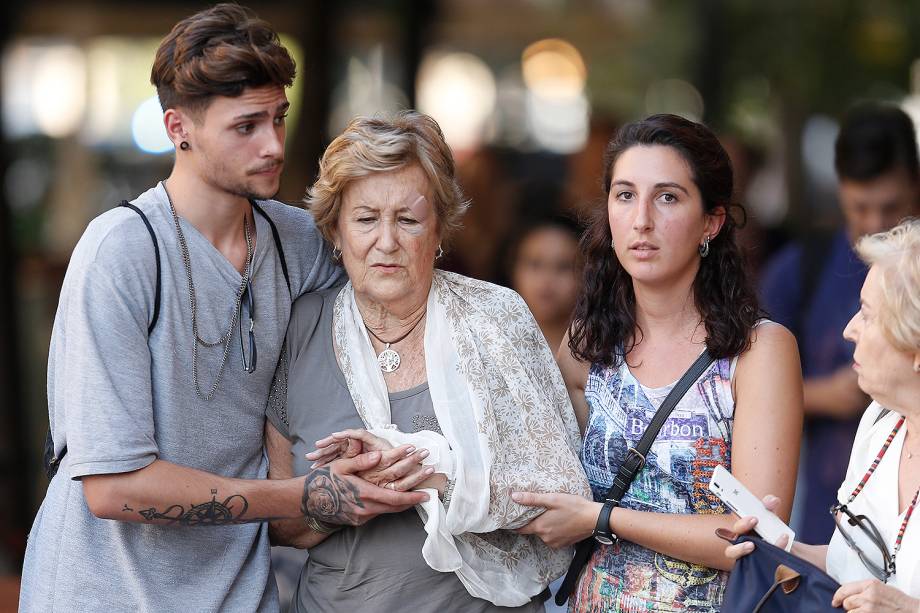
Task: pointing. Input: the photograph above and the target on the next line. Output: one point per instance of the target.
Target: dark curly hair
(604, 327)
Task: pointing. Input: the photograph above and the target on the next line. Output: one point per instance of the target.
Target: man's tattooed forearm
(329, 498)
(211, 513)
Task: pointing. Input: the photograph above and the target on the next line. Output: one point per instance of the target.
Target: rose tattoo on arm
(329, 498)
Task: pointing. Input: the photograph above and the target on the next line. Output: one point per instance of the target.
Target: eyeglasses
(249, 299)
(863, 537)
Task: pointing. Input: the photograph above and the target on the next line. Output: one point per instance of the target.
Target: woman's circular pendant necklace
(389, 359)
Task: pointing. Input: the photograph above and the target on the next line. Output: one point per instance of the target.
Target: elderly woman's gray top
(377, 566)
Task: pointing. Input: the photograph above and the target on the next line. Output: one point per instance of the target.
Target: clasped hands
(357, 476)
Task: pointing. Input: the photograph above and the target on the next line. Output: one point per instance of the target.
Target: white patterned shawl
(507, 426)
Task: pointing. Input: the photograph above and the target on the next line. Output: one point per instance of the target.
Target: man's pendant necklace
(389, 359)
(224, 340)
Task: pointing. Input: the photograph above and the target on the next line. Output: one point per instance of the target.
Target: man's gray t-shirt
(119, 400)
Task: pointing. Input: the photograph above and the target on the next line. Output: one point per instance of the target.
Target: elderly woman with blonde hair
(445, 383)
(875, 550)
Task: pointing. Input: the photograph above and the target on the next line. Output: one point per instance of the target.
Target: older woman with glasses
(875, 550)
(446, 384)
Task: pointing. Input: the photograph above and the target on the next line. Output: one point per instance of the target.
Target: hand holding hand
(331, 448)
(873, 596)
(335, 494)
(400, 468)
(566, 520)
(346, 444)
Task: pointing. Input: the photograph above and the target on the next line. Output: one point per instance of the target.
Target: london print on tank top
(626, 577)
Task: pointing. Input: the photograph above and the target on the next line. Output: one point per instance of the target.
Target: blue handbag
(772, 580)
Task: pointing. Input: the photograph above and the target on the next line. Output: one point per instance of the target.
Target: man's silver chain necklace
(225, 338)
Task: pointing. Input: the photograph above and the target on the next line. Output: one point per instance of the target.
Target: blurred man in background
(812, 287)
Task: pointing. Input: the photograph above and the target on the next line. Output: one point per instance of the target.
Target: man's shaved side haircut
(220, 51)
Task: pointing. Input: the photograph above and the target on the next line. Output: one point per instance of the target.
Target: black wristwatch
(602, 532)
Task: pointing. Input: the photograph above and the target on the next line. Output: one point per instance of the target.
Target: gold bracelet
(320, 526)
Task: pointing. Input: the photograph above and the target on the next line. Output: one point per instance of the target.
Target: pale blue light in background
(147, 127)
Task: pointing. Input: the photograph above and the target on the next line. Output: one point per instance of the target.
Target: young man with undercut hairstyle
(812, 287)
(163, 350)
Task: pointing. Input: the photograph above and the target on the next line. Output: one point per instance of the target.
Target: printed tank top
(626, 577)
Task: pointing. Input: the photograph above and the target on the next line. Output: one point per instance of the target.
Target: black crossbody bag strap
(51, 460)
(278, 248)
(156, 253)
(635, 460)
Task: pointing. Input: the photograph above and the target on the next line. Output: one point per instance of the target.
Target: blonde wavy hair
(371, 145)
(897, 254)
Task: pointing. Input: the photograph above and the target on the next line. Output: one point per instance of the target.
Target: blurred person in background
(543, 270)
(156, 405)
(447, 376)
(664, 281)
(812, 287)
(757, 241)
(877, 559)
(494, 196)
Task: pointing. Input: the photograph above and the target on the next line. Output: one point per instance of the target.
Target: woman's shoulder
(771, 343)
(876, 418)
(308, 310)
(771, 332)
(482, 292)
(313, 303)
(769, 338)
(875, 425)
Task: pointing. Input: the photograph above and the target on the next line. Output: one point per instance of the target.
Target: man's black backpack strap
(52, 461)
(156, 253)
(632, 464)
(278, 247)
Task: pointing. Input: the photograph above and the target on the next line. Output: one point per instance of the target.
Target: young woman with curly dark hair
(663, 278)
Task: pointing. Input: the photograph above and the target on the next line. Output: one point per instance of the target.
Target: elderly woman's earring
(704, 248)
(336, 253)
(612, 246)
(439, 254)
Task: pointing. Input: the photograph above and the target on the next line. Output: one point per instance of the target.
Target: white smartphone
(740, 500)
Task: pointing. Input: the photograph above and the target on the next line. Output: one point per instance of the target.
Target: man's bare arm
(835, 395)
(168, 494)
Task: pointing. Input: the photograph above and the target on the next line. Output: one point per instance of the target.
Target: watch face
(603, 539)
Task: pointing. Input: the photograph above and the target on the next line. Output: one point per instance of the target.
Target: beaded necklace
(865, 479)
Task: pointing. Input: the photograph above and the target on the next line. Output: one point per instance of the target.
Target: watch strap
(602, 532)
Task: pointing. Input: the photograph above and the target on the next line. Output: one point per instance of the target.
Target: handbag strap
(635, 456)
(631, 465)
